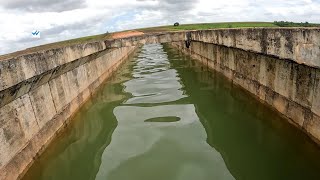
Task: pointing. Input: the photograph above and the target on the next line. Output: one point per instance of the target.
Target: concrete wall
(39, 92)
(301, 45)
(292, 89)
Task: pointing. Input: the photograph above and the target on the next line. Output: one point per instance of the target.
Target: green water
(163, 116)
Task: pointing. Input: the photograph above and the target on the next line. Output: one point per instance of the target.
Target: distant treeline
(293, 24)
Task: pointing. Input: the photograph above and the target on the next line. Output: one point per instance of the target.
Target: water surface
(165, 116)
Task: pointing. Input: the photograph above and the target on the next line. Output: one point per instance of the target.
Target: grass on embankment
(157, 29)
(162, 29)
(208, 26)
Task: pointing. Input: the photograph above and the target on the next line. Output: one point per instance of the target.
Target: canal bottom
(164, 116)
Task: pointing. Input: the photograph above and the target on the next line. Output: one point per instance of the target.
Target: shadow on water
(163, 119)
(165, 116)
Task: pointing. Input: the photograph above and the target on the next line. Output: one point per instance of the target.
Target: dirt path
(126, 34)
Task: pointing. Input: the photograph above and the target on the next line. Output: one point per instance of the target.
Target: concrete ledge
(19, 68)
(27, 85)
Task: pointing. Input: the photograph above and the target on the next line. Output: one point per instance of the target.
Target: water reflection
(158, 150)
(154, 81)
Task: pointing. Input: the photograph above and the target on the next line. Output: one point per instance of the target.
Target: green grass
(208, 26)
(293, 24)
(159, 29)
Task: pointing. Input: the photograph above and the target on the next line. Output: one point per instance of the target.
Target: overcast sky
(66, 19)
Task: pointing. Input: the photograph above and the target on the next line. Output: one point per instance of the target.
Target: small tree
(176, 24)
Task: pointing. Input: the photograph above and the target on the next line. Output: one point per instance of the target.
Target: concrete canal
(163, 115)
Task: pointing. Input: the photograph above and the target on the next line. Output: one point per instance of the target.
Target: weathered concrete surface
(298, 44)
(17, 69)
(290, 88)
(38, 96)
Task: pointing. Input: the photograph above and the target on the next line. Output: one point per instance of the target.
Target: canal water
(163, 116)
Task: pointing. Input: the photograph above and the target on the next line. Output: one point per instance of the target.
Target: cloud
(65, 19)
(175, 5)
(43, 5)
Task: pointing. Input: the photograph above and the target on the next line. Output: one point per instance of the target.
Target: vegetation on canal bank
(293, 24)
(189, 27)
(164, 29)
(208, 26)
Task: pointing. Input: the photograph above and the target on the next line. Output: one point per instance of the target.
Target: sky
(67, 19)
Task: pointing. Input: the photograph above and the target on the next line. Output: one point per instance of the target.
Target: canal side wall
(39, 92)
(301, 45)
(291, 88)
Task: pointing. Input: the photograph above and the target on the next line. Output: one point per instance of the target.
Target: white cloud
(67, 19)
